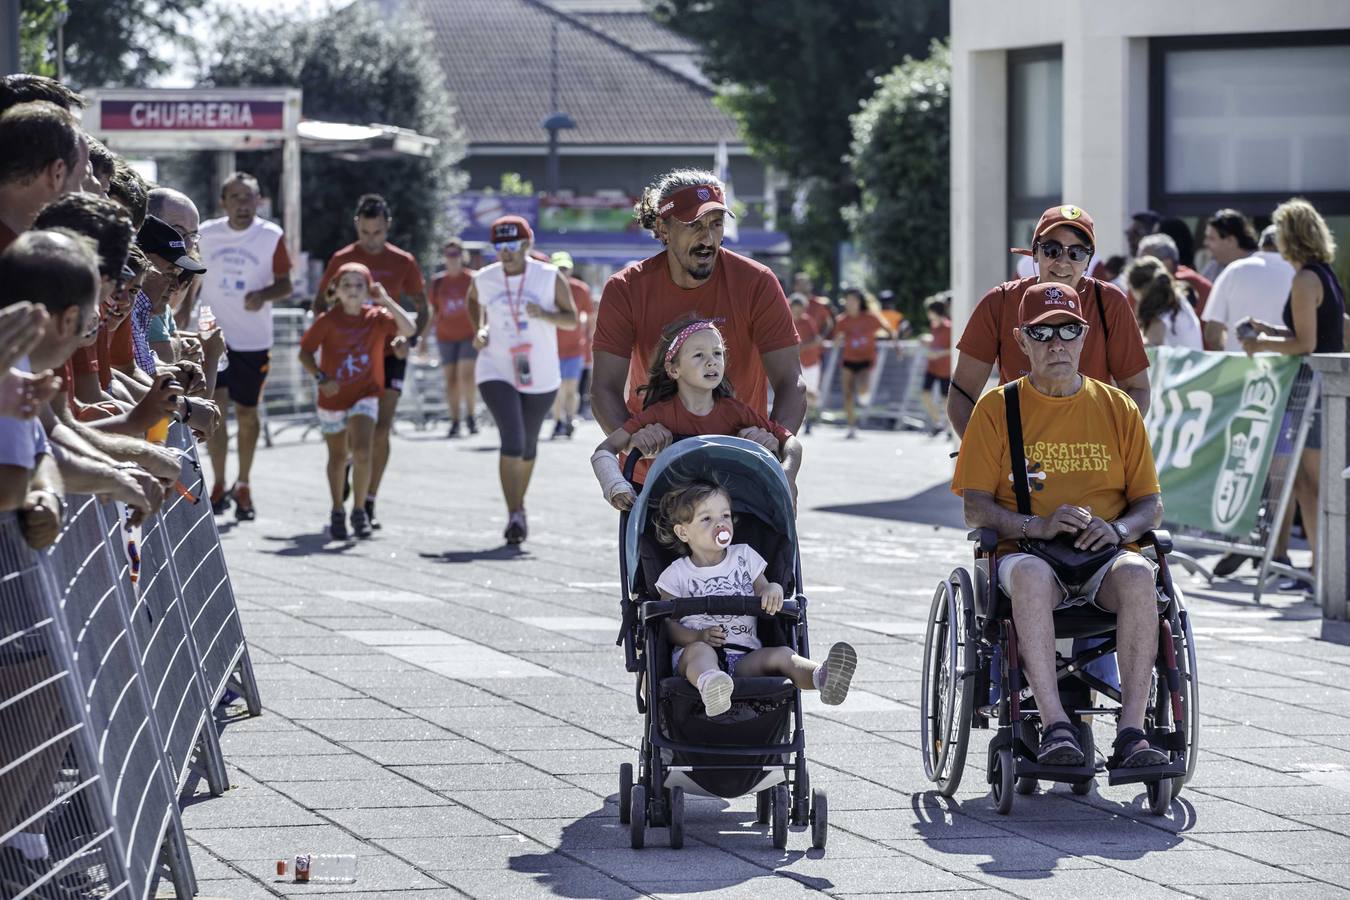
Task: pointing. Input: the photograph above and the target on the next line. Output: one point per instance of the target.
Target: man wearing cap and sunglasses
(1113, 348)
(1089, 478)
(397, 270)
(685, 211)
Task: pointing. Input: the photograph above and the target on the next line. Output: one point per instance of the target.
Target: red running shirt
(449, 297)
(858, 335)
(728, 417)
(350, 352)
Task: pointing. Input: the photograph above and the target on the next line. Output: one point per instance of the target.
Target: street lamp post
(556, 121)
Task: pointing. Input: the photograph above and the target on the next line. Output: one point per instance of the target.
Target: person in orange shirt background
(856, 331)
(574, 349)
(938, 373)
(812, 349)
(454, 336)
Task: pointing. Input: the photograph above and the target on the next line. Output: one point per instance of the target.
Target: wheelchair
(971, 677)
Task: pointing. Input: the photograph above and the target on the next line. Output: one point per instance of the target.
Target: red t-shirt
(806, 329)
(1200, 283)
(743, 297)
(121, 351)
(942, 340)
(728, 417)
(574, 342)
(449, 295)
(350, 352)
(989, 333)
(859, 335)
(818, 308)
(392, 267)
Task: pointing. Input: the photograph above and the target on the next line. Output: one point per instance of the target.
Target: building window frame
(1204, 203)
(1020, 208)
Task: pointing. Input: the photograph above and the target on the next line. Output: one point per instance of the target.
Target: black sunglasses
(1042, 334)
(1077, 252)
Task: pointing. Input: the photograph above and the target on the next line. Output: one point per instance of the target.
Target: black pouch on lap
(1071, 565)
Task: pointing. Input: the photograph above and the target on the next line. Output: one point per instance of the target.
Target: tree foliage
(792, 72)
(108, 42)
(357, 69)
(900, 162)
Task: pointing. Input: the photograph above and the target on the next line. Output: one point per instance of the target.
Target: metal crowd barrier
(1276, 495)
(109, 673)
(893, 398)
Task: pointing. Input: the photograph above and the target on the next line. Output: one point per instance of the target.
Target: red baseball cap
(358, 268)
(510, 228)
(692, 203)
(1074, 216)
(1047, 300)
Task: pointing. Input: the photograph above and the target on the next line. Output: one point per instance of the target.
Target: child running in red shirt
(351, 334)
(687, 393)
(856, 330)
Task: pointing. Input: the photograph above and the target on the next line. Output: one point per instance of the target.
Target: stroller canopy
(751, 474)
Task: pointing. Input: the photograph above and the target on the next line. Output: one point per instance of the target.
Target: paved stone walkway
(455, 713)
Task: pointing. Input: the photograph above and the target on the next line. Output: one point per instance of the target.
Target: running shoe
(516, 529)
(337, 525)
(473, 426)
(571, 428)
(220, 500)
(559, 429)
(454, 429)
(370, 515)
(852, 435)
(716, 693)
(243, 503)
(360, 523)
(838, 669)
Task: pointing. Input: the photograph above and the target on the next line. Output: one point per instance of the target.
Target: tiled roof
(638, 31)
(495, 55)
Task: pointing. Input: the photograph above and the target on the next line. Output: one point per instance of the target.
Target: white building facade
(1184, 107)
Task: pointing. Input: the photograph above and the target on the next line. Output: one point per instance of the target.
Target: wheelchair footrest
(1029, 768)
(1174, 769)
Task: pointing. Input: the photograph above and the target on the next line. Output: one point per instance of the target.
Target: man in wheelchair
(1086, 490)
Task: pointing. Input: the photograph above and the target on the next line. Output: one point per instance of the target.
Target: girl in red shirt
(351, 335)
(811, 349)
(856, 332)
(687, 393)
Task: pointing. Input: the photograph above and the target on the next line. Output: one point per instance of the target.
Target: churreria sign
(195, 115)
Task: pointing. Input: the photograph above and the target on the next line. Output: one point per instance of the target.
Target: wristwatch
(1121, 529)
(320, 376)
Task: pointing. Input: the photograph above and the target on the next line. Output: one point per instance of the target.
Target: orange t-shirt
(1089, 449)
(819, 310)
(806, 329)
(989, 333)
(449, 297)
(574, 342)
(121, 351)
(728, 417)
(743, 297)
(859, 335)
(392, 267)
(350, 352)
(942, 340)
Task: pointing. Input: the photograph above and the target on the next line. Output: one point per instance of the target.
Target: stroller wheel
(625, 791)
(762, 807)
(1002, 781)
(781, 805)
(676, 818)
(820, 819)
(637, 825)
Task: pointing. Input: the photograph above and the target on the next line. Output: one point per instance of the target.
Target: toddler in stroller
(697, 609)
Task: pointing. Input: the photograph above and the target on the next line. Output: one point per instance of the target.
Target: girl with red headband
(687, 393)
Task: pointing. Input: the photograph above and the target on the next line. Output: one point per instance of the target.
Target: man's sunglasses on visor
(510, 246)
(1043, 334)
(1077, 252)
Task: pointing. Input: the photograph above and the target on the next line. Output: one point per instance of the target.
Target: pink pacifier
(723, 536)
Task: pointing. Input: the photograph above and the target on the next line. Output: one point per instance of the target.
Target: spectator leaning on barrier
(1253, 286)
(1165, 314)
(685, 210)
(1229, 236)
(398, 271)
(1091, 477)
(1195, 286)
(102, 165)
(454, 336)
(1112, 349)
(574, 348)
(1313, 322)
(44, 156)
(250, 268)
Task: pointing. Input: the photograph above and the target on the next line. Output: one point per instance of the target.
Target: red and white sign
(191, 115)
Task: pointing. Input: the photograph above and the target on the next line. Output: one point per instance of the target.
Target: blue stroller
(758, 746)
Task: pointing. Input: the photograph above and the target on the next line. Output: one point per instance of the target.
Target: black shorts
(394, 370)
(856, 365)
(244, 374)
(929, 379)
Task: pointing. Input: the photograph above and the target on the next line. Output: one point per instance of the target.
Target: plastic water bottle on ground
(319, 868)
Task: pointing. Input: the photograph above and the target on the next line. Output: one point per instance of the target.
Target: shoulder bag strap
(1101, 310)
(1012, 409)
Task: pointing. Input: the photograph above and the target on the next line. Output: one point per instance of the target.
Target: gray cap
(1267, 240)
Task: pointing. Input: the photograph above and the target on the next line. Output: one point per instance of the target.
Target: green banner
(1214, 420)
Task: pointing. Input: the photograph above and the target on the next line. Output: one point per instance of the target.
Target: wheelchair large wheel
(1190, 693)
(948, 691)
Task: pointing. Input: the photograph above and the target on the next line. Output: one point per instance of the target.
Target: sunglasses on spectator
(1043, 334)
(452, 251)
(1077, 252)
(512, 246)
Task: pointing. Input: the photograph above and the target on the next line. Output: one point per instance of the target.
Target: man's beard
(698, 269)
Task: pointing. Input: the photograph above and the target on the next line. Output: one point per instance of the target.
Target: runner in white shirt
(249, 268)
(1255, 287)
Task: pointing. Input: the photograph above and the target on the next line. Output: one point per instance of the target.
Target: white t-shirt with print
(734, 576)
